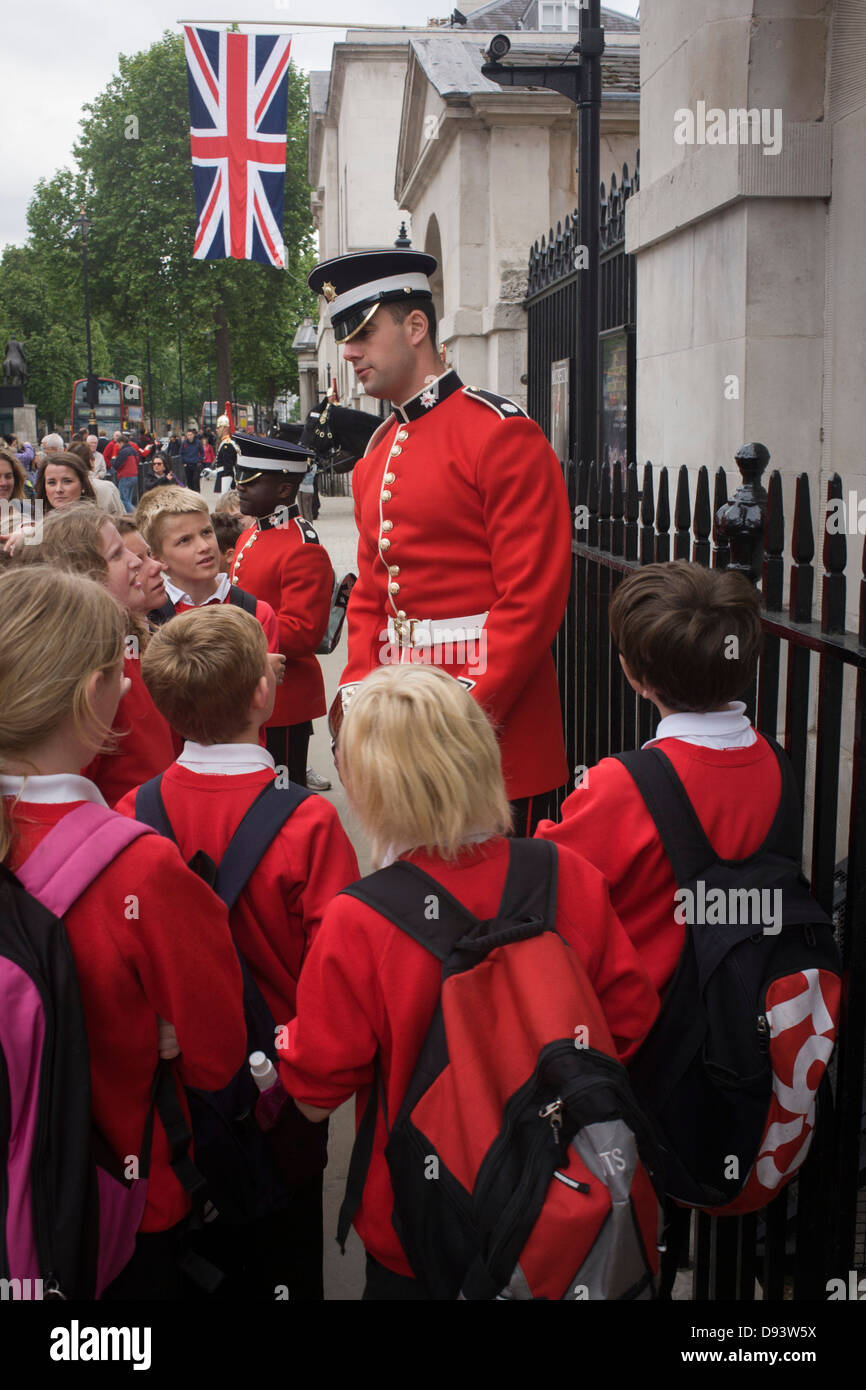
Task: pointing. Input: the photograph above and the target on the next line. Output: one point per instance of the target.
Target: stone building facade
(750, 284)
(406, 128)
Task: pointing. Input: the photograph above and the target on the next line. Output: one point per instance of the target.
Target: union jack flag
(238, 98)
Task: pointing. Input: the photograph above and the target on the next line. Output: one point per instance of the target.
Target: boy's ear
(636, 685)
(261, 694)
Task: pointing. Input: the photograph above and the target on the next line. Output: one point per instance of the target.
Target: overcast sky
(60, 53)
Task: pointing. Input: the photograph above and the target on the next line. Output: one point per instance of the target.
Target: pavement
(344, 1274)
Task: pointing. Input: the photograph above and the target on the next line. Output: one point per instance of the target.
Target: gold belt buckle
(405, 632)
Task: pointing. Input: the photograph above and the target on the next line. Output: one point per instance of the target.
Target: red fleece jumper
(279, 912)
(735, 792)
(369, 990)
(170, 953)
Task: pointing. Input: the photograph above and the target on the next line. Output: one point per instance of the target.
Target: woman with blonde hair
(61, 676)
(83, 540)
(422, 769)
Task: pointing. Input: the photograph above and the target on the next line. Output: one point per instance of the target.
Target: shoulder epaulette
(504, 408)
(308, 533)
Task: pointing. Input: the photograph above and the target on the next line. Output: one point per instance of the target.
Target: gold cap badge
(329, 291)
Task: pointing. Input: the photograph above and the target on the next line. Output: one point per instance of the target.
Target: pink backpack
(70, 1217)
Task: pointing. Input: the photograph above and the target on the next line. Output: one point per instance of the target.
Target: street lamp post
(149, 381)
(581, 83)
(92, 394)
(180, 381)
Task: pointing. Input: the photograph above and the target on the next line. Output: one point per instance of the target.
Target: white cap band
(414, 282)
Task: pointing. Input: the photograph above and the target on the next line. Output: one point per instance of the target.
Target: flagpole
(320, 24)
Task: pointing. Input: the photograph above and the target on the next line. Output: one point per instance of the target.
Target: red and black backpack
(519, 1157)
(730, 1070)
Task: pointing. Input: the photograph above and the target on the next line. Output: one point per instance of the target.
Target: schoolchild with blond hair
(178, 528)
(61, 678)
(422, 770)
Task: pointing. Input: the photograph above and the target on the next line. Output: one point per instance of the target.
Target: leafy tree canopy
(134, 175)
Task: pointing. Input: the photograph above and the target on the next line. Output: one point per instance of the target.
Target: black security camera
(500, 47)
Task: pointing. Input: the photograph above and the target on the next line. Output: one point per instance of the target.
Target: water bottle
(272, 1094)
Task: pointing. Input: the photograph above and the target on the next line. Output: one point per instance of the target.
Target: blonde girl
(422, 769)
(62, 641)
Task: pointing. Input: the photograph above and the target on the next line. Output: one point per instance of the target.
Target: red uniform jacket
(461, 510)
(286, 566)
(735, 792)
(279, 912)
(368, 989)
(144, 745)
(148, 938)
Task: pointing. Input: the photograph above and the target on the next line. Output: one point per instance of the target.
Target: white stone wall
(731, 241)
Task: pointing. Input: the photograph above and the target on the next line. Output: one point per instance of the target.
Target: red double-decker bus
(120, 405)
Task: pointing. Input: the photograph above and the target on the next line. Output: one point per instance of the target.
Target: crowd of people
(162, 663)
(187, 695)
(114, 471)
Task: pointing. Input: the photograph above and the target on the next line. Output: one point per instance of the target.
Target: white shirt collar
(51, 788)
(225, 759)
(218, 596)
(724, 728)
(475, 837)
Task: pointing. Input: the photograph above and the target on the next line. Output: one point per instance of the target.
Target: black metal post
(180, 382)
(149, 383)
(581, 83)
(84, 227)
(588, 177)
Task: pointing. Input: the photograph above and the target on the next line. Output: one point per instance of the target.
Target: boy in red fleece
(208, 674)
(689, 640)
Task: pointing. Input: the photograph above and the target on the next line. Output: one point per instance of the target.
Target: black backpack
(244, 1177)
(239, 597)
(731, 1066)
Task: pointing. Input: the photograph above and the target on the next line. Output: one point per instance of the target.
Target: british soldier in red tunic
(464, 551)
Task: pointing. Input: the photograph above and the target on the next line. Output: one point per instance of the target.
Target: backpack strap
(408, 897)
(241, 599)
(74, 853)
(158, 616)
(676, 820)
(418, 904)
(150, 808)
(259, 828)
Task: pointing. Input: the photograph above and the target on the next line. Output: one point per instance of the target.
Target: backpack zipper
(553, 1114)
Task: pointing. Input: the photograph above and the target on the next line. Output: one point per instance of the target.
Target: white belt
(435, 632)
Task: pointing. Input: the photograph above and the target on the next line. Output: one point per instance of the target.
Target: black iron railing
(811, 673)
